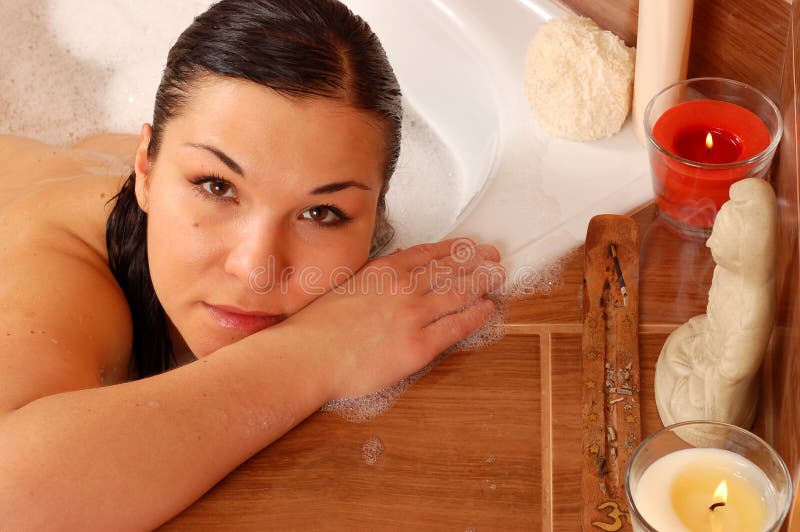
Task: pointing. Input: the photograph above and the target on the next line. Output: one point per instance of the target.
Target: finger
(485, 277)
(463, 292)
(422, 254)
(453, 328)
(465, 251)
(489, 252)
(441, 278)
(462, 262)
(437, 305)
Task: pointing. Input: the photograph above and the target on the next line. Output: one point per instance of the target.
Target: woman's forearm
(130, 456)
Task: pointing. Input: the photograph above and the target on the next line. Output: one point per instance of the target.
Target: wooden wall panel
(780, 407)
(743, 40)
(619, 16)
(740, 40)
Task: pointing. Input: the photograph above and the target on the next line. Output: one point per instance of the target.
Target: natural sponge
(579, 79)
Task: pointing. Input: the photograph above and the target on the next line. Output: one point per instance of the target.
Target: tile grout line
(545, 350)
(542, 328)
(575, 328)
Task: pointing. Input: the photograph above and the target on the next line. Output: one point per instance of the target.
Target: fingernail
(487, 252)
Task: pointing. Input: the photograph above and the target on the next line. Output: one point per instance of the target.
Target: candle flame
(709, 141)
(721, 493)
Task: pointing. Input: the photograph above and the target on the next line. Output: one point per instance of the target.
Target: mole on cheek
(195, 224)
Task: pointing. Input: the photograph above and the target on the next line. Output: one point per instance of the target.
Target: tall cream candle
(662, 51)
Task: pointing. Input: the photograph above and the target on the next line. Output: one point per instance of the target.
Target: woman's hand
(398, 312)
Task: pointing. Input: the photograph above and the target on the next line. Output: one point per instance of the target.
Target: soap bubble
(371, 450)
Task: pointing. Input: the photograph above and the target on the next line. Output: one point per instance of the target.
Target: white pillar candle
(662, 51)
(676, 493)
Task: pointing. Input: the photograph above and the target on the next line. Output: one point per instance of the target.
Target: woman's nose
(255, 255)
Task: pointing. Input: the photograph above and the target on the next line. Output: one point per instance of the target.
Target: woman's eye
(218, 188)
(324, 215)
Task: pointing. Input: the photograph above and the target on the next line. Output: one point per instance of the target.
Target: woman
(258, 189)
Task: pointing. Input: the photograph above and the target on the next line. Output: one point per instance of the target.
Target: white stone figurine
(707, 367)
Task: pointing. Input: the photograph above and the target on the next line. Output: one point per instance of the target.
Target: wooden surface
(780, 405)
(489, 440)
(737, 39)
(461, 451)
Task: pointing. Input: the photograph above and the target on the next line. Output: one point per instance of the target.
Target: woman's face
(257, 204)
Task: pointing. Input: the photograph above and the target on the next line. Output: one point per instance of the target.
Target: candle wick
(713, 506)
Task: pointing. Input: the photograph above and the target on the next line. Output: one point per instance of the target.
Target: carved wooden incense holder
(610, 413)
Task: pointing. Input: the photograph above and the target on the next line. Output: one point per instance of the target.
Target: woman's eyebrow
(230, 163)
(336, 187)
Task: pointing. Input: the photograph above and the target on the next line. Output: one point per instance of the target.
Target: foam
(371, 450)
(66, 76)
(426, 191)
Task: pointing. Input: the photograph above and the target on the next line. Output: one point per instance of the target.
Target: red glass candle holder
(704, 134)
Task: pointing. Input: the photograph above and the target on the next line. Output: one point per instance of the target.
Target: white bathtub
(474, 162)
(461, 63)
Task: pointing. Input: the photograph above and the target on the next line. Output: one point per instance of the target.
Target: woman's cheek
(318, 274)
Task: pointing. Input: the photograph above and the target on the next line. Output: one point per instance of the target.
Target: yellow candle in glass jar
(705, 490)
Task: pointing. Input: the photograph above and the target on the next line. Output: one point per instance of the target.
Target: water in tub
(473, 163)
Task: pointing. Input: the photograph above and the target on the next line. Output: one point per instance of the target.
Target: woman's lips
(240, 320)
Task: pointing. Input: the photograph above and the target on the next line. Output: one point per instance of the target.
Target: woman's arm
(132, 455)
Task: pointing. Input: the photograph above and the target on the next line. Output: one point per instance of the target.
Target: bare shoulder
(66, 327)
(29, 165)
(66, 323)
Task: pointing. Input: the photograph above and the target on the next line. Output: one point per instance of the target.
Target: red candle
(707, 143)
(715, 146)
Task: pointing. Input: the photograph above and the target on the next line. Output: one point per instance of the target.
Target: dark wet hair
(299, 48)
